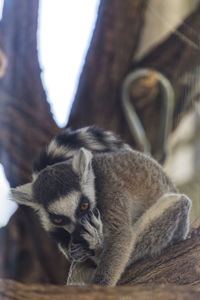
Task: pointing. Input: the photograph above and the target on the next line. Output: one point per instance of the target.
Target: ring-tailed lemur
(106, 210)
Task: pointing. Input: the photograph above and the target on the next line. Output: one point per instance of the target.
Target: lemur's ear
(23, 195)
(81, 162)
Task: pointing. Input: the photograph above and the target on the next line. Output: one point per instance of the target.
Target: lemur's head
(62, 194)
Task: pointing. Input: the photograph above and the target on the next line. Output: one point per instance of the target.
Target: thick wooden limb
(10, 290)
(26, 253)
(109, 58)
(178, 58)
(23, 133)
(178, 53)
(25, 118)
(18, 41)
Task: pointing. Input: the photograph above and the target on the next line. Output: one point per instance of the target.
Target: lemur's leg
(115, 255)
(117, 244)
(164, 223)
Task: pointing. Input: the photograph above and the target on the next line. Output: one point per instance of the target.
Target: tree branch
(109, 58)
(175, 274)
(27, 254)
(23, 99)
(98, 97)
(178, 58)
(26, 122)
(19, 42)
(10, 290)
(178, 53)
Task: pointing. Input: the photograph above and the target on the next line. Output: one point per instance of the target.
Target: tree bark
(99, 91)
(175, 274)
(108, 60)
(10, 290)
(26, 253)
(178, 58)
(25, 118)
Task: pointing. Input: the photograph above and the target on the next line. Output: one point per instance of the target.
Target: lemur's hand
(88, 237)
(93, 230)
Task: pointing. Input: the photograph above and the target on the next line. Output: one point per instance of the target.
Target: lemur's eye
(59, 220)
(84, 206)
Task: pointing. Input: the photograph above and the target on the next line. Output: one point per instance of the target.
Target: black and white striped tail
(66, 144)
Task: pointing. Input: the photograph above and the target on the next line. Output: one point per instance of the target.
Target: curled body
(107, 210)
(141, 213)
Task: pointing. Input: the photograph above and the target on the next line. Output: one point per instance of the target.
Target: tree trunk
(25, 118)
(26, 252)
(109, 58)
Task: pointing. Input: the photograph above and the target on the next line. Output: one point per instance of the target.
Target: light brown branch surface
(10, 290)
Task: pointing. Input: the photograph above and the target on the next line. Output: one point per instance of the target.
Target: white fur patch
(88, 189)
(44, 218)
(63, 251)
(90, 141)
(55, 149)
(66, 205)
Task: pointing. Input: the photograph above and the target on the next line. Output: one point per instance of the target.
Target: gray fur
(141, 213)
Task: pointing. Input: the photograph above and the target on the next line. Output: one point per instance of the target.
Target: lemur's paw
(93, 230)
